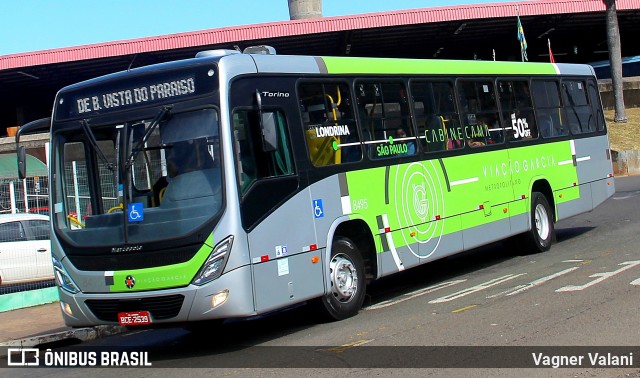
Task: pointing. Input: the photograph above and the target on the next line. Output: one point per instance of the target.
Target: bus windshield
(135, 181)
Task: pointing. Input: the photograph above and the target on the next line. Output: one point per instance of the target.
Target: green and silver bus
(234, 184)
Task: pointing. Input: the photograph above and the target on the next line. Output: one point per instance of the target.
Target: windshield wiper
(139, 146)
(94, 144)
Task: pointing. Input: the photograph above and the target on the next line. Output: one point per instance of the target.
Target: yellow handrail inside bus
(75, 221)
(111, 210)
(160, 195)
(444, 130)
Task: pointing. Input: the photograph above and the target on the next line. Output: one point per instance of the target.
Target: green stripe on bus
(346, 65)
(163, 277)
(479, 188)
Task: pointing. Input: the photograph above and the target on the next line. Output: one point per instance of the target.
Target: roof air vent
(261, 50)
(220, 52)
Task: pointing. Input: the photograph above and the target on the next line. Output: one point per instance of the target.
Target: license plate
(134, 318)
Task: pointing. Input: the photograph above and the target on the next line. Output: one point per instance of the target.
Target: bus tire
(542, 232)
(346, 271)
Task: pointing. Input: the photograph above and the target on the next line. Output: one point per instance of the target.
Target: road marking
(343, 347)
(476, 288)
(463, 309)
(573, 261)
(520, 288)
(601, 277)
(414, 294)
(628, 195)
(506, 291)
(635, 282)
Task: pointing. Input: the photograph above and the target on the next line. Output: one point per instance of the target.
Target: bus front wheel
(542, 232)
(346, 271)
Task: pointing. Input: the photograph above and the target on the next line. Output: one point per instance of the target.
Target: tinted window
(11, 232)
(517, 111)
(253, 163)
(480, 119)
(577, 107)
(38, 228)
(330, 126)
(383, 110)
(549, 113)
(436, 116)
(594, 99)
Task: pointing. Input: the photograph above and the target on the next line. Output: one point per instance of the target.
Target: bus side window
(330, 127)
(577, 107)
(436, 116)
(385, 119)
(596, 106)
(517, 111)
(548, 109)
(251, 161)
(480, 113)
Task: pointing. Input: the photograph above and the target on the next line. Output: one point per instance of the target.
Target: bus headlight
(215, 264)
(63, 280)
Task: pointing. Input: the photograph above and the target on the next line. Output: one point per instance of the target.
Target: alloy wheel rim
(542, 222)
(344, 278)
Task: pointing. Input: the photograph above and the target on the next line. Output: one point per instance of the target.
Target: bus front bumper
(229, 296)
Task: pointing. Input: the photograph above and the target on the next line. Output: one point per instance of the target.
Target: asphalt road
(584, 292)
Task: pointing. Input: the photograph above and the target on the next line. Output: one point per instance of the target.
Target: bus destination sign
(137, 95)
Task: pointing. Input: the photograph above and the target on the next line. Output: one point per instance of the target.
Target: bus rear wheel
(542, 232)
(346, 272)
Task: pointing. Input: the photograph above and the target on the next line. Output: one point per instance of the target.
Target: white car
(25, 248)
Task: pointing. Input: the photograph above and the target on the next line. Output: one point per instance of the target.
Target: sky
(33, 25)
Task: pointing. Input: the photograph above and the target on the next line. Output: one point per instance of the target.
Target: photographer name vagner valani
(590, 359)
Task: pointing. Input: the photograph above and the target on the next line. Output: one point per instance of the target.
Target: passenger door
(273, 210)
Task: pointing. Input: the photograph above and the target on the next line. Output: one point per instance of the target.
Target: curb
(81, 334)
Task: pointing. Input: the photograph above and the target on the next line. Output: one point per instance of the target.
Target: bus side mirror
(39, 125)
(269, 135)
(267, 127)
(22, 162)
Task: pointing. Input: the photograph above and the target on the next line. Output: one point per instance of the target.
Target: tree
(615, 59)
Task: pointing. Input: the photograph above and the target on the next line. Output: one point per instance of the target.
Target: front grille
(164, 307)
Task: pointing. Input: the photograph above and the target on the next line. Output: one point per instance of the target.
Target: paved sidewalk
(37, 325)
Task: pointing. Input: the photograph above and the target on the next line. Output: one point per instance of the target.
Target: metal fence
(30, 195)
(25, 258)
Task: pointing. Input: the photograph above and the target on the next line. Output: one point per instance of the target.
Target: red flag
(550, 53)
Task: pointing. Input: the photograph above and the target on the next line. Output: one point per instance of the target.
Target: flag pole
(551, 58)
(521, 37)
(518, 17)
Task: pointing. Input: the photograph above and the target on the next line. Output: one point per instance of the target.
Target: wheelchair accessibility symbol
(135, 212)
(318, 210)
